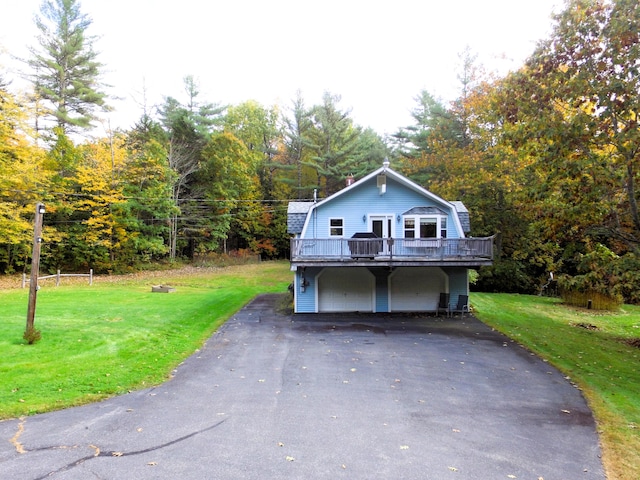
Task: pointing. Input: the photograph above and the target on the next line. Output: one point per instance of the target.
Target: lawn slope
(597, 351)
(116, 335)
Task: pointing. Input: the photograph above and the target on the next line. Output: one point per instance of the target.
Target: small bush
(31, 335)
(284, 306)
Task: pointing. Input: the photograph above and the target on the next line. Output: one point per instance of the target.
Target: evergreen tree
(333, 140)
(427, 114)
(189, 127)
(370, 153)
(66, 70)
(296, 146)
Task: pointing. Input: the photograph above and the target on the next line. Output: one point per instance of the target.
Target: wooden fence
(57, 276)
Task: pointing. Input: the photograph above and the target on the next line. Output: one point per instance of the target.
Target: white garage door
(416, 289)
(346, 290)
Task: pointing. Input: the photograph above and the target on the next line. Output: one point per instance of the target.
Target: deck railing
(398, 248)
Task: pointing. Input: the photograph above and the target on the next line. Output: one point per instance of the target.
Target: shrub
(597, 285)
(590, 299)
(31, 335)
(627, 269)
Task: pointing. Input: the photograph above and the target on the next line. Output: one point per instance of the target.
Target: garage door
(416, 289)
(346, 290)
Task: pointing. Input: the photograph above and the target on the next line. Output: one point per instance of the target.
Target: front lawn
(115, 336)
(598, 351)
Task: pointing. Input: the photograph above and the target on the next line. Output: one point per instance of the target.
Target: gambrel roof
(296, 215)
(463, 215)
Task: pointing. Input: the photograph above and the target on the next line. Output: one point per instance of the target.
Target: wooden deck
(471, 252)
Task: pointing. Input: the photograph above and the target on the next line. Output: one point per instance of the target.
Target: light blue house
(381, 244)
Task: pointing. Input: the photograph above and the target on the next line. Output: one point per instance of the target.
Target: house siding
(366, 198)
(458, 283)
(307, 301)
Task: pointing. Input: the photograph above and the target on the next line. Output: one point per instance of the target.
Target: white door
(382, 226)
(416, 289)
(346, 290)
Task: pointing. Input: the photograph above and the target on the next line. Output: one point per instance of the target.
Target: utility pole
(30, 333)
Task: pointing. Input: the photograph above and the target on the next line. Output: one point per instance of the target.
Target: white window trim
(342, 227)
(416, 225)
(385, 217)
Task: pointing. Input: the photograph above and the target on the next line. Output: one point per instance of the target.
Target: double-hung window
(336, 227)
(409, 227)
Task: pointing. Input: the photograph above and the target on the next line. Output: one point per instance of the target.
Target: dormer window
(425, 222)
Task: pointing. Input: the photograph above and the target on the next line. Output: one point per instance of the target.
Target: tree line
(196, 179)
(545, 157)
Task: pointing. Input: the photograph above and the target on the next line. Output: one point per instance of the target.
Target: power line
(159, 199)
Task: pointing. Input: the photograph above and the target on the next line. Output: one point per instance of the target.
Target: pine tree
(333, 141)
(65, 67)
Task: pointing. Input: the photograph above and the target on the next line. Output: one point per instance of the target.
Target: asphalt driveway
(319, 397)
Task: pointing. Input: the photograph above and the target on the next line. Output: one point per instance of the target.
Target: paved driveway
(326, 397)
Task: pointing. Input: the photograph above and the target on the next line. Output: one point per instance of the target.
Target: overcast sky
(376, 55)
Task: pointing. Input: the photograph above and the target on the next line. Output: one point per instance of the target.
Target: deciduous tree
(587, 74)
(22, 179)
(228, 183)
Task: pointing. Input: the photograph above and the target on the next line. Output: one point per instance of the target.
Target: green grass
(116, 336)
(598, 351)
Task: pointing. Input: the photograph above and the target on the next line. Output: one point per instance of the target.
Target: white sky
(377, 55)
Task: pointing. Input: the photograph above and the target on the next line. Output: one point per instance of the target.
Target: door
(416, 289)
(382, 226)
(346, 290)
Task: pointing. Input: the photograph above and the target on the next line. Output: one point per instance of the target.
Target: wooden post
(58, 278)
(35, 266)
(91, 277)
